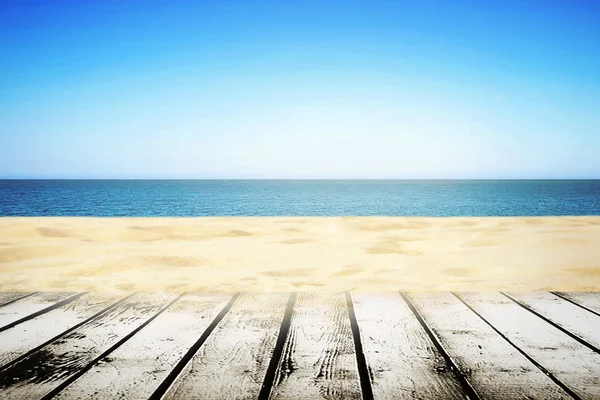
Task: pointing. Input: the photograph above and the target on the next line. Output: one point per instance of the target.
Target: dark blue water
(135, 198)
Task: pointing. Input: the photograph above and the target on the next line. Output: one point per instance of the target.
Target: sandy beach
(297, 254)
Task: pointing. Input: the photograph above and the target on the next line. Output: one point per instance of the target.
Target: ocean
(190, 198)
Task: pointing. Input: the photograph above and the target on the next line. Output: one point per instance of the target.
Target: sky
(402, 89)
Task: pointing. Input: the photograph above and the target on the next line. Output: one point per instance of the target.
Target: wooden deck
(300, 346)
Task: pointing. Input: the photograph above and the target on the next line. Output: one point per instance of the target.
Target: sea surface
(187, 198)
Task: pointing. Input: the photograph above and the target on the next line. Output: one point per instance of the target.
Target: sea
(194, 198)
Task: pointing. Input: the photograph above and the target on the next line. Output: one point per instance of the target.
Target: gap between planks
(270, 377)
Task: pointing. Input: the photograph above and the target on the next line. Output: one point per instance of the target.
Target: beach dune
(226, 254)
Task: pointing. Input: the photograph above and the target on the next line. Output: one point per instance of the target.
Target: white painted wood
(403, 361)
(319, 361)
(30, 334)
(495, 369)
(44, 370)
(572, 363)
(319, 349)
(567, 315)
(232, 363)
(7, 297)
(590, 300)
(29, 305)
(136, 369)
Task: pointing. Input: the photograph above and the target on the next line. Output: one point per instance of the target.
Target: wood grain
(319, 360)
(29, 307)
(575, 365)
(136, 369)
(9, 297)
(300, 346)
(494, 368)
(568, 316)
(403, 362)
(54, 364)
(232, 363)
(589, 300)
(28, 335)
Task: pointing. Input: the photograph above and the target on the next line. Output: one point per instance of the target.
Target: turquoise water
(183, 198)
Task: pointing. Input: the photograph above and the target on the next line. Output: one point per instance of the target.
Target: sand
(300, 254)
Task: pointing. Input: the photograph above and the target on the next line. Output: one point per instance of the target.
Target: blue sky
(300, 89)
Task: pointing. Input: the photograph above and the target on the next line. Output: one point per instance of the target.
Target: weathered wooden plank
(495, 369)
(319, 360)
(232, 363)
(579, 322)
(136, 369)
(587, 300)
(403, 362)
(24, 337)
(9, 297)
(570, 362)
(50, 368)
(32, 306)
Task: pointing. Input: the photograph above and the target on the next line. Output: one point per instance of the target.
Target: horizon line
(298, 179)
